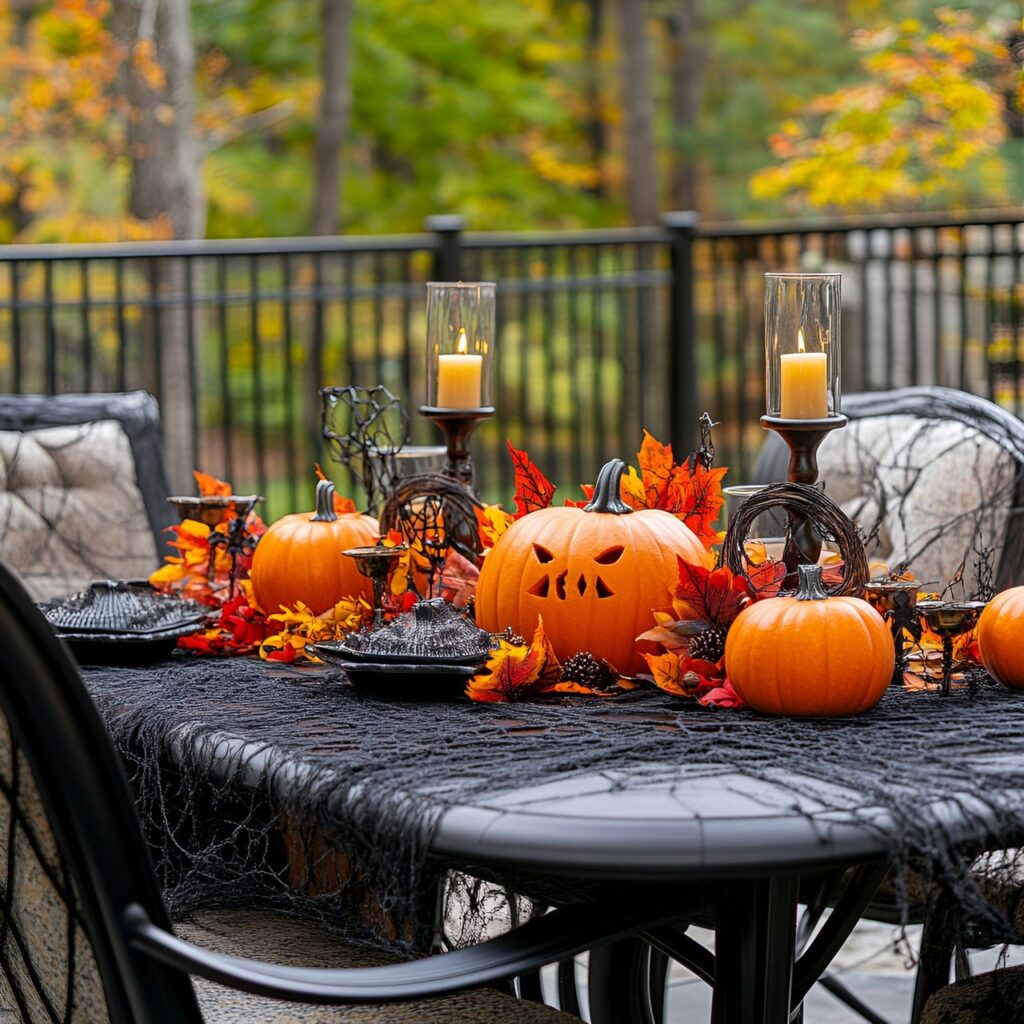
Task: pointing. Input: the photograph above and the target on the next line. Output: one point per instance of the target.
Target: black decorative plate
(117, 621)
(408, 681)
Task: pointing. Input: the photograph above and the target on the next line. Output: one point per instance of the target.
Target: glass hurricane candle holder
(460, 346)
(460, 354)
(802, 345)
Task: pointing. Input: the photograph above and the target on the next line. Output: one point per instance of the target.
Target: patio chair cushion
(927, 481)
(276, 938)
(939, 471)
(71, 510)
(996, 997)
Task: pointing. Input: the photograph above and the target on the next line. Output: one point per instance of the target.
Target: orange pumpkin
(1000, 636)
(810, 654)
(593, 574)
(300, 558)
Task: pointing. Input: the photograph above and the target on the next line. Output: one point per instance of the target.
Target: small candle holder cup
(377, 562)
(802, 385)
(949, 619)
(896, 601)
(460, 366)
(209, 509)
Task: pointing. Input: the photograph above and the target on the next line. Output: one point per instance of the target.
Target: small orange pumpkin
(810, 654)
(593, 574)
(300, 558)
(1000, 636)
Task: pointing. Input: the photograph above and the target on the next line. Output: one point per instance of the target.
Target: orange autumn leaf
(510, 674)
(491, 522)
(666, 671)
(655, 461)
(533, 489)
(342, 505)
(515, 671)
(210, 485)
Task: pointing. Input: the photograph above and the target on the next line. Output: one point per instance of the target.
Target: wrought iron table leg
(627, 983)
(755, 932)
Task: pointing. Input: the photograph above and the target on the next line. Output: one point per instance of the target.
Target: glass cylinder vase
(802, 315)
(460, 345)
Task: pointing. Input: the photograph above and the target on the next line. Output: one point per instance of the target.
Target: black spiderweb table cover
(371, 777)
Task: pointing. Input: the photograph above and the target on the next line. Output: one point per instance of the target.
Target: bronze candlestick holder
(949, 619)
(896, 601)
(377, 562)
(457, 426)
(804, 437)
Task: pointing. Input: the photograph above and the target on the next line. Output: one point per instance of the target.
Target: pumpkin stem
(324, 503)
(810, 587)
(606, 491)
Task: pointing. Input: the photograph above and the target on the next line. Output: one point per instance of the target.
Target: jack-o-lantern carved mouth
(542, 587)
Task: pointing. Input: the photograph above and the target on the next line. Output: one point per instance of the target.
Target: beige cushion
(277, 938)
(944, 491)
(70, 508)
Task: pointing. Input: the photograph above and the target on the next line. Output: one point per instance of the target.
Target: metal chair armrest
(555, 936)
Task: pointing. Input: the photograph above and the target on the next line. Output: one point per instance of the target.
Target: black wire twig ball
(808, 502)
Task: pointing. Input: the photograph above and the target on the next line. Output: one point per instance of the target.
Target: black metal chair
(940, 470)
(85, 937)
(83, 489)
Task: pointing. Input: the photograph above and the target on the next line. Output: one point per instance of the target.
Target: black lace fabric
(355, 784)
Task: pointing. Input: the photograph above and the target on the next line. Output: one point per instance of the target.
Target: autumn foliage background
(516, 113)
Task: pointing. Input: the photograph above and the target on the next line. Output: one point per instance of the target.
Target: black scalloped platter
(408, 681)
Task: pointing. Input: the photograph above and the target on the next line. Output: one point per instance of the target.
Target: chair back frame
(90, 809)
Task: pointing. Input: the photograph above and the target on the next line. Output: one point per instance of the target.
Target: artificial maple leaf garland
(691, 491)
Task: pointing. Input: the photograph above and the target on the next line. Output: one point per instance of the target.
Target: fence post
(682, 399)
(447, 229)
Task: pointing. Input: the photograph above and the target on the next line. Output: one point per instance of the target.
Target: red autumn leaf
(715, 596)
(533, 489)
(697, 499)
(766, 579)
(723, 696)
(512, 674)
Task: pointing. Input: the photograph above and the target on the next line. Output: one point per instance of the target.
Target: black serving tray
(402, 680)
(121, 621)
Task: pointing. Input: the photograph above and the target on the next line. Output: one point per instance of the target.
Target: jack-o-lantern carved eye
(542, 553)
(609, 556)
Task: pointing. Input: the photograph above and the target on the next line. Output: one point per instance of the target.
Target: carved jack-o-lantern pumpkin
(593, 574)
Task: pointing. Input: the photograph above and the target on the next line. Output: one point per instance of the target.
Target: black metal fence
(601, 333)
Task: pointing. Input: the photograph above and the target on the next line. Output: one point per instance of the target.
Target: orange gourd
(810, 654)
(1000, 636)
(593, 574)
(300, 557)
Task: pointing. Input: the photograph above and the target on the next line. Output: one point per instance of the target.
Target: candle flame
(463, 345)
(801, 347)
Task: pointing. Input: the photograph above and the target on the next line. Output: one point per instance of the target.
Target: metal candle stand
(896, 601)
(457, 426)
(949, 619)
(376, 562)
(804, 437)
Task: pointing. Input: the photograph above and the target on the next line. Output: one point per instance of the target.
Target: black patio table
(583, 796)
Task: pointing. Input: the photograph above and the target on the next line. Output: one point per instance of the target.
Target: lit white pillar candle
(804, 384)
(459, 377)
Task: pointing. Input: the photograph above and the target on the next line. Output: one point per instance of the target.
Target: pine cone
(512, 638)
(585, 669)
(709, 645)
